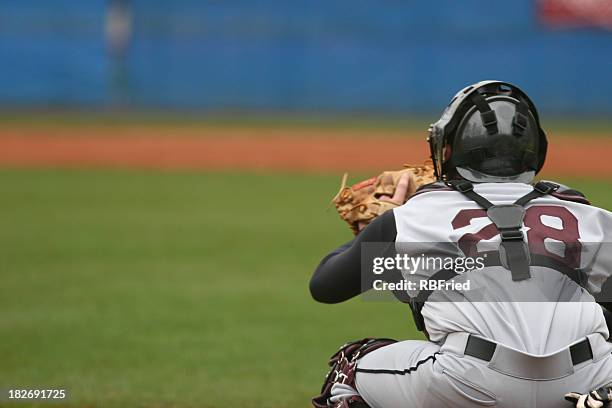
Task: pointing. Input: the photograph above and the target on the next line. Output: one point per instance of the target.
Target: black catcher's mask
(494, 135)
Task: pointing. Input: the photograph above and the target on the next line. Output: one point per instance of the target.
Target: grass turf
(378, 124)
(185, 289)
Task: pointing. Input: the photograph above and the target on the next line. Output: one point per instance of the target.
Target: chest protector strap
(508, 218)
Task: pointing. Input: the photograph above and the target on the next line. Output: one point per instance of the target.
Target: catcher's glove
(359, 204)
(598, 398)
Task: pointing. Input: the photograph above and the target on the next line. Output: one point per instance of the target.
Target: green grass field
(183, 289)
(407, 125)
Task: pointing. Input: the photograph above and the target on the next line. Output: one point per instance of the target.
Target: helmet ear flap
(436, 142)
(543, 148)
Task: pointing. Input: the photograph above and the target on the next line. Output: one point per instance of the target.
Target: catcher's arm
(338, 276)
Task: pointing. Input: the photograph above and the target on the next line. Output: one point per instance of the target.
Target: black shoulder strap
(569, 194)
(467, 189)
(508, 219)
(540, 189)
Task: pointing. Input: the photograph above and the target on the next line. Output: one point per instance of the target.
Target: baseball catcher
(524, 323)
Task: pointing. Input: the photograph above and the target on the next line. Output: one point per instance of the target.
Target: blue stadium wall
(315, 55)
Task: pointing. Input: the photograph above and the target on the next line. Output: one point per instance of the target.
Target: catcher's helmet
(494, 135)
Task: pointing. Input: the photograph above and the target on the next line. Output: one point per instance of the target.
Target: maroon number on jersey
(537, 232)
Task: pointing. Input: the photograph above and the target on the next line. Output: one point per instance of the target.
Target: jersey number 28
(538, 232)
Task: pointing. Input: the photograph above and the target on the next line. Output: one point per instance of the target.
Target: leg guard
(342, 374)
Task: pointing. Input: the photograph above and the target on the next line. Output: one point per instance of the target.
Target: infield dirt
(235, 148)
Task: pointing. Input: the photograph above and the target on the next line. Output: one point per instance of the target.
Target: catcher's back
(517, 314)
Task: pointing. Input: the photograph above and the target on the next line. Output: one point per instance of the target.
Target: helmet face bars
(493, 132)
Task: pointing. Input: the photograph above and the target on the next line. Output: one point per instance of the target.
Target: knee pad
(342, 371)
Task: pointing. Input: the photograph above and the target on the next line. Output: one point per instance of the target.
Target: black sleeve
(338, 276)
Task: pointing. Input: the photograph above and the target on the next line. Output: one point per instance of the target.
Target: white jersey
(533, 327)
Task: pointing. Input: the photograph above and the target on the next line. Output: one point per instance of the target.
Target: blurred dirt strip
(260, 149)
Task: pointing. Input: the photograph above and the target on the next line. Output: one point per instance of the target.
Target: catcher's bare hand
(404, 189)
